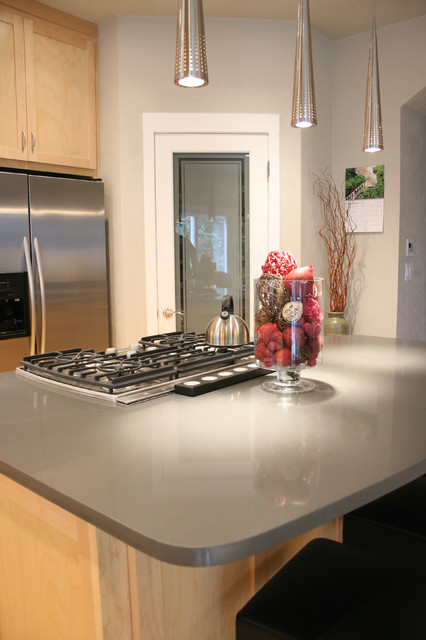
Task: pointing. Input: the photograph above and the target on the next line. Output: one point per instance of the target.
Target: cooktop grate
(156, 359)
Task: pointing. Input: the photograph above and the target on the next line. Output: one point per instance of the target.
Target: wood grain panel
(48, 94)
(61, 95)
(43, 11)
(114, 588)
(178, 603)
(13, 119)
(48, 563)
(62, 578)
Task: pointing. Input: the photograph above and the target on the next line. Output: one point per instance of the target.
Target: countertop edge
(221, 554)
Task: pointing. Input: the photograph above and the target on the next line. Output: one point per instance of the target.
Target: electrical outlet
(408, 271)
(409, 247)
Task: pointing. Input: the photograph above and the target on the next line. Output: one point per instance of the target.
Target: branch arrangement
(337, 233)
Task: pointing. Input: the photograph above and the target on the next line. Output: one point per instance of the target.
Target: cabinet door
(49, 587)
(61, 95)
(13, 120)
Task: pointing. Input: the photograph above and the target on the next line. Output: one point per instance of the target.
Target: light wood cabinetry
(63, 578)
(48, 92)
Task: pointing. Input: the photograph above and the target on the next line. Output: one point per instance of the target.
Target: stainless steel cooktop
(156, 365)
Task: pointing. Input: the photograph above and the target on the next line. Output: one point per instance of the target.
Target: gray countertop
(212, 479)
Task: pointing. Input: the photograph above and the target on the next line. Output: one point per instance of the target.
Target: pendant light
(303, 110)
(191, 58)
(373, 135)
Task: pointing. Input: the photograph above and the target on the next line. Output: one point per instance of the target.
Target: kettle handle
(228, 305)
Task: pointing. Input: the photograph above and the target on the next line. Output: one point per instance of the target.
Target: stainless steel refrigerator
(53, 273)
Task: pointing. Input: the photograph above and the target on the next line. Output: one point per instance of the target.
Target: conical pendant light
(304, 110)
(373, 136)
(191, 58)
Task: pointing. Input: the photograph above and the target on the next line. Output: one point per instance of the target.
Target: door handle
(33, 141)
(42, 296)
(32, 296)
(168, 312)
(24, 140)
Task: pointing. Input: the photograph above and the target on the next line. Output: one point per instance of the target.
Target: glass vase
(289, 333)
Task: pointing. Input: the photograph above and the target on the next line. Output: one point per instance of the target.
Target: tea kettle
(227, 330)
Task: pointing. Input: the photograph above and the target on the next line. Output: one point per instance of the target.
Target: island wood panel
(62, 578)
(178, 603)
(49, 585)
(115, 588)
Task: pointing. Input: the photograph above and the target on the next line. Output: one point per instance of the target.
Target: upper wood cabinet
(48, 94)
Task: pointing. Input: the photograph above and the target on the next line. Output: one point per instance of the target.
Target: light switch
(409, 248)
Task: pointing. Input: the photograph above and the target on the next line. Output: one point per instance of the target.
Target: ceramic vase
(336, 324)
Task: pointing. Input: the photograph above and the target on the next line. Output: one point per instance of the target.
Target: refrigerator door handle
(42, 296)
(32, 296)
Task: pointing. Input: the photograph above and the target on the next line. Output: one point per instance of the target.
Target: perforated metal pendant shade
(191, 56)
(373, 135)
(303, 112)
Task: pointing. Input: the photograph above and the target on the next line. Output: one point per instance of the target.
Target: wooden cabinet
(63, 578)
(48, 94)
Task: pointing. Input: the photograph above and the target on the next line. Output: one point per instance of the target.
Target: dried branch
(337, 233)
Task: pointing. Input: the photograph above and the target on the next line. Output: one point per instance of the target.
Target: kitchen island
(179, 508)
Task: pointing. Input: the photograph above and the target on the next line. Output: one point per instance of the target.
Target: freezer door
(14, 224)
(69, 260)
(14, 227)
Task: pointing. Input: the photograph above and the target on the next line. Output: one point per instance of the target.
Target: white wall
(402, 66)
(251, 66)
(251, 71)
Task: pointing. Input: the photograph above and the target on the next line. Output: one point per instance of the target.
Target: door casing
(167, 133)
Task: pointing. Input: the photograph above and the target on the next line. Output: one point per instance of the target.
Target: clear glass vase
(289, 333)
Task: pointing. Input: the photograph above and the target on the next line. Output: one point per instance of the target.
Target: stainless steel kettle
(227, 330)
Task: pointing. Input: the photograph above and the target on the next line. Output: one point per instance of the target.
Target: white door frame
(157, 124)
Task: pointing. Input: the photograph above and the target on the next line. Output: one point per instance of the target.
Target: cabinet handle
(24, 140)
(33, 141)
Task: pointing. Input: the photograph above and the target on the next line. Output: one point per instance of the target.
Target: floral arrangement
(288, 318)
(337, 233)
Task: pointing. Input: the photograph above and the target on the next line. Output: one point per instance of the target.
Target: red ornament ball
(312, 311)
(279, 263)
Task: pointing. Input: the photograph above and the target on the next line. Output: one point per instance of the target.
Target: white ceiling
(334, 18)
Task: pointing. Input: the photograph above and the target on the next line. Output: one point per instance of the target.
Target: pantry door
(196, 175)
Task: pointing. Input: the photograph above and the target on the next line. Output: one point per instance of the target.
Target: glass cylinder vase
(289, 332)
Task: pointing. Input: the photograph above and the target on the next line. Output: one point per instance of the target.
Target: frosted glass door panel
(211, 236)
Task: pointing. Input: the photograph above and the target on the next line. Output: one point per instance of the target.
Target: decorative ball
(263, 316)
(280, 322)
(305, 353)
(312, 311)
(271, 291)
(292, 311)
(279, 263)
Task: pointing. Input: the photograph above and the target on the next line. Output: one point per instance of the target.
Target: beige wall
(402, 65)
(251, 71)
(411, 320)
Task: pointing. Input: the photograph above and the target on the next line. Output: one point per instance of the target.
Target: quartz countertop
(215, 478)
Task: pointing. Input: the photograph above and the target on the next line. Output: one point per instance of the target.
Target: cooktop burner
(154, 366)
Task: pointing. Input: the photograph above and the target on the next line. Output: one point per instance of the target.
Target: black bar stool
(332, 591)
(394, 525)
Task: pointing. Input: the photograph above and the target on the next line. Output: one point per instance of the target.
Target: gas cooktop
(156, 365)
